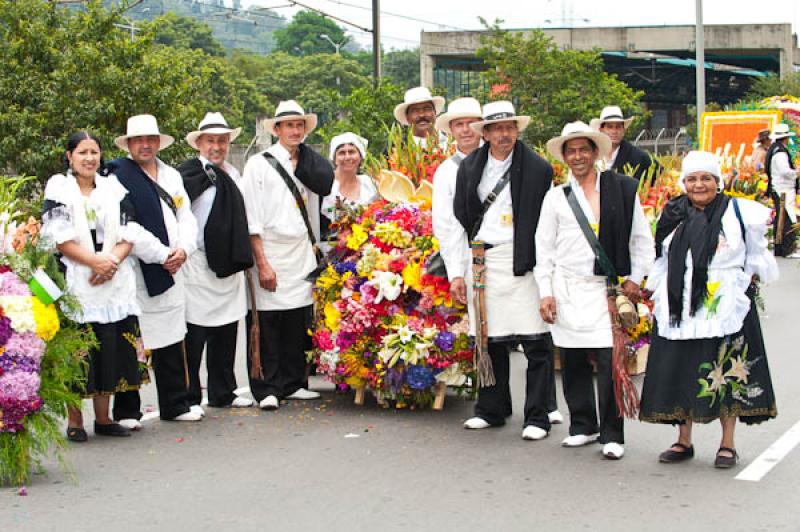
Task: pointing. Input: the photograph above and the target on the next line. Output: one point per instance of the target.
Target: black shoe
(111, 429)
(670, 456)
(77, 435)
(726, 462)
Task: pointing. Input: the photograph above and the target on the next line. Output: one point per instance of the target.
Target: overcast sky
(463, 14)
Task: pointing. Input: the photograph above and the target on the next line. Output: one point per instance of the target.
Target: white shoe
(197, 409)
(579, 440)
(532, 432)
(613, 451)
(476, 423)
(189, 416)
(130, 424)
(270, 402)
(555, 417)
(304, 395)
(242, 402)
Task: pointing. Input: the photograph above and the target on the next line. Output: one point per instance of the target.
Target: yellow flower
(328, 279)
(332, 316)
(357, 238)
(177, 199)
(712, 288)
(411, 275)
(46, 319)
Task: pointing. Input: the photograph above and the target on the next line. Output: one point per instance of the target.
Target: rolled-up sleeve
(758, 259)
(252, 185)
(546, 234)
(642, 246)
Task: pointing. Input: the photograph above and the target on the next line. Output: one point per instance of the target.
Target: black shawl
(696, 230)
(639, 160)
(147, 203)
(226, 236)
(617, 203)
(314, 171)
(531, 177)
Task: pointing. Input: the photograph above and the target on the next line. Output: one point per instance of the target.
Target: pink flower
(19, 385)
(11, 285)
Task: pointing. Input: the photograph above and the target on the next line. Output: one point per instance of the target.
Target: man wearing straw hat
(282, 187)
(622, 156)
(162, 207)
(215, 287)
(418, 111)
(499, 192)
(593, 216)
(782, 180)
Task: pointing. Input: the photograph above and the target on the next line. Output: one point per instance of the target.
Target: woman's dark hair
(592, 143)
(75, 139)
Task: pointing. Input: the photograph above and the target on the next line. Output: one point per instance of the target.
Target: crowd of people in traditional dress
(160, 259)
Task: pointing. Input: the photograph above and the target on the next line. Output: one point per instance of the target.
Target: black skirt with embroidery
(114, 365)
(703, 379)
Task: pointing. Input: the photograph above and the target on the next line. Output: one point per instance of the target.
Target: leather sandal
(671, 456)
(111, 429)
(726, 462)
(77, 435)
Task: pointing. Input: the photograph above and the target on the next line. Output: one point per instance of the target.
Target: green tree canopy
(773, 85)
(302, 35)
(552, 85)
(402, 66)
(185, 32)
(66, 70)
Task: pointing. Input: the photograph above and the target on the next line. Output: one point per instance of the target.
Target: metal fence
(663, 141)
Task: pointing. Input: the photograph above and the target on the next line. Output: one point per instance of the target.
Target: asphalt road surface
(330, 465)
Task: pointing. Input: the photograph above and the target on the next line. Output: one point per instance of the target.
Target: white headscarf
(349, 138)
(701, 161)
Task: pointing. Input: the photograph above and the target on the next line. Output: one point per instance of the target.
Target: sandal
(726, 462)
(76, 434)
(671, 456)
(111, 429)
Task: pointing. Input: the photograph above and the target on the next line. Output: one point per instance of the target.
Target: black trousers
(576, 375)
(494, 402)
(220, 346)
(169, 367)
(284, 341)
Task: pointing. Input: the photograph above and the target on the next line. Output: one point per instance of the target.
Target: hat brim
(400, 109)
(310, 119)
(555, 145)
(522, 122)
(192, 137)
(595, 123)
(443, 121)
(780, 136)
(122, 141)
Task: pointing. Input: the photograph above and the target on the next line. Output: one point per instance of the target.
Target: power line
(397, 15)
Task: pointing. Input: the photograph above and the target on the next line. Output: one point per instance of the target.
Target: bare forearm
(258, 252)
(75, 252)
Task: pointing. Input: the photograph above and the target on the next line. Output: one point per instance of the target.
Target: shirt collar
(574, 182)
(280, 152)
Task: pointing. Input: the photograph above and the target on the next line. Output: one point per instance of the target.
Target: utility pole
(376, 41)
(700, 67)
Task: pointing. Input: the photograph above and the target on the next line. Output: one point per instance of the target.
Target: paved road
(296, 469)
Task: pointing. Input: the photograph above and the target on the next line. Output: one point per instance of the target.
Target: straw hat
(610, 113)
(781, 131)
(459, 108)
(291, 110)
(500, 111)
(212, 124)
(577, 130)
(413, 97)
(143, 126)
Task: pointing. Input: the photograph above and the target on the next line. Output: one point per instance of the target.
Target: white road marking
(772, 456)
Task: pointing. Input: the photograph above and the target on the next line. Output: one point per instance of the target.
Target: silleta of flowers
(383, 321)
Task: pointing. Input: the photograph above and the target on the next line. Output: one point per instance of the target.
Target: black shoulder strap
(164, 195)
(739, 217)
(498, 188)
(599, 253)
(301, 204)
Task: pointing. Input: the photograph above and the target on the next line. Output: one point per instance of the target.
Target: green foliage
(773, 85)
(552, 85)
(185, 32)
(402, 66)
(66, 70)
(302, 36)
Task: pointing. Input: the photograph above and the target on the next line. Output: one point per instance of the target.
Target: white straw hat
(500, 111)
(349, 138)
(212, 124)
(781, 131)
(577, 130)
(459, 108)
(610, 113)
(143, 126)
(291, 110)
(415, 96)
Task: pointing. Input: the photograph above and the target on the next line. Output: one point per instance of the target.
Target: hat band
(288, 113)
(500, 116)
(211, 126)
(612, 117)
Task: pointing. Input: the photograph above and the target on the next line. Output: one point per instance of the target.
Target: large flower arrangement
(383, 321)
(40, 359)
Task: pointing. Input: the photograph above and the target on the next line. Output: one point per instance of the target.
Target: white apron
(293, 259)
(211, 301)
(163, 317)
(512, 303)
(582, 318)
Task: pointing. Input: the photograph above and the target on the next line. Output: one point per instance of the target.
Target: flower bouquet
(383, 322)
(40, 361)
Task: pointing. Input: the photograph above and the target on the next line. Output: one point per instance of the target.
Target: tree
(185, 32)
(552, 85)
(773, 85)
(402, 66)
(302, 35)
(65, 70)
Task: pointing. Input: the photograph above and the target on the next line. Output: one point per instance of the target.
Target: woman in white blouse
(350, 188)
(87, 217)
(707, 359)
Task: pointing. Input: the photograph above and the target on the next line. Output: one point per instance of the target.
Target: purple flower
(19, 385)
(419, 377)
(345, 339)
(25, 346)
(445, 340)
(342, 267)
(5, 329)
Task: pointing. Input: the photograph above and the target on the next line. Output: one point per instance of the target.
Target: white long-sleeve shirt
(783, 175)
(453, 244)
(497, 226)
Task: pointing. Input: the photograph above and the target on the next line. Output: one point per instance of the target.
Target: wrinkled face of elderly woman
(347, 159)
(701, 187)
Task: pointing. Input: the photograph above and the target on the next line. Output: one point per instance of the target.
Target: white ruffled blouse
(735, 262)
